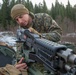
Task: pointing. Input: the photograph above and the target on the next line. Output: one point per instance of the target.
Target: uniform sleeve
(34, 31)
(9, 70)
(54, 33)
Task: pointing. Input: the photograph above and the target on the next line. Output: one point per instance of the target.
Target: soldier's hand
(20, 65)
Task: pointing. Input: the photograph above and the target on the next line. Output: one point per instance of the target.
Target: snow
(9, 38)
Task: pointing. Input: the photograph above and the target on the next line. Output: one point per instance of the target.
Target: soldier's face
(22, 20)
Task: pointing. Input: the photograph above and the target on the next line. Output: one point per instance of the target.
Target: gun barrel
(72, 59)
(68, 56)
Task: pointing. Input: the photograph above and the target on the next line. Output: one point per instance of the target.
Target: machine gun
(56, 58)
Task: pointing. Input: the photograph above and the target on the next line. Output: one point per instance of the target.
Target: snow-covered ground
(9, 38)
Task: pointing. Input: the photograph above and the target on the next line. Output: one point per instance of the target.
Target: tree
(69, 12)
(5, 13)
(52, 11)
(44, 7)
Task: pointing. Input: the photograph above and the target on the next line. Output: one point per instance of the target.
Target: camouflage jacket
(9, 70)
(44, 24)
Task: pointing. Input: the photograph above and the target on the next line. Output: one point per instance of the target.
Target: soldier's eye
(20, 16)
(16, 19)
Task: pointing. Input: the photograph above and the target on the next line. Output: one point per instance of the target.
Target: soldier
(38, 23)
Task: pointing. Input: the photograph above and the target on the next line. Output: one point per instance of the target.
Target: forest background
(65, 16)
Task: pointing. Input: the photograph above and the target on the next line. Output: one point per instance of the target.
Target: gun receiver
(55, 57)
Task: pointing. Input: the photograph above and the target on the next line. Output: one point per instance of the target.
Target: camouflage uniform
(9, 70)
(44, 24)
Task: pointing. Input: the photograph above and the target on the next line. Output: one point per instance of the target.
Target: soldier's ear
(32, 15)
